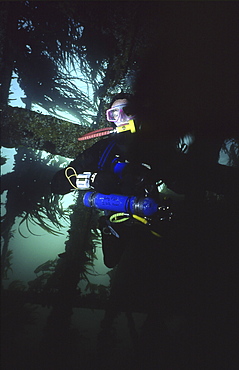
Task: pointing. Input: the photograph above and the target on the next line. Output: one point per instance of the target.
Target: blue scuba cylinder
(144, 207)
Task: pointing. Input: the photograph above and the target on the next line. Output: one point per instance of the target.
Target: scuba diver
(105, 169)
(136, 218)
(98, 158)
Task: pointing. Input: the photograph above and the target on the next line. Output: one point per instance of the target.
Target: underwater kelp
(80, 35)
(46, 266)
(75, 265)
(62, 290)
(29, 196)
(22, 127)
(77, 262)
(231, 148)
(8, 264)
(3, 160)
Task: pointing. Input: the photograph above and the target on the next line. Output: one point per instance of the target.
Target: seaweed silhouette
(29, 196)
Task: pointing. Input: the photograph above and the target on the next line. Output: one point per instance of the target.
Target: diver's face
(116, 113)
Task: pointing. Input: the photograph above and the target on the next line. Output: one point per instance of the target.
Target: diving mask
(117, 115)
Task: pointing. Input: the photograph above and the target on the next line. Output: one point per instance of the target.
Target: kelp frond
(17, 285)
(45, 215)
(8, 264)
(46, 266)
(3, 160)
(231, 148)
(29, 195)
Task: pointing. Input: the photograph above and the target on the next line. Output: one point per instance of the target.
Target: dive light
(144, 207)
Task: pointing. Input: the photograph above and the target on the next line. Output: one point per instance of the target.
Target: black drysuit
(98, 159)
